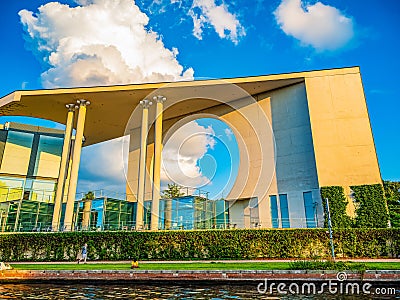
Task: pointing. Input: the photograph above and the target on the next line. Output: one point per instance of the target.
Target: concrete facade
(295, 132)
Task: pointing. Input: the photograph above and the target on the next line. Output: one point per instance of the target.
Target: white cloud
(321, 26)
(84, 2)
(228, 133)
(100, 43)
(226, 24)
(182, 153)
(102, 166)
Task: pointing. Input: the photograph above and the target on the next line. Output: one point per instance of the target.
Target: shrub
(327, 265)
(200, 244)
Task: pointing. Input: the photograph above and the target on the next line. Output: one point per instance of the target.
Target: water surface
(153, 291)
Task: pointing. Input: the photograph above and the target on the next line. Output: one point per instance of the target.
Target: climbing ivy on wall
(337, 206)
(392, 194)
(371, 211)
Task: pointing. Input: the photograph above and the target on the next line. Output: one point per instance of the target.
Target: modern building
(182, 213)
(296, 133)
(29, 167)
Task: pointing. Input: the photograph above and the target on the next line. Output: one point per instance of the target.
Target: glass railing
(16, 194)
(108, 194)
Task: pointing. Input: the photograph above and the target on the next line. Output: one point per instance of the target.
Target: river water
(154, 291)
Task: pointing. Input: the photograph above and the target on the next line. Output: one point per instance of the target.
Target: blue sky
(205, 38)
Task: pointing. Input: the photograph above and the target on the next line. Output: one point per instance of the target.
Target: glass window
(11, 219)
(283, 203)
(10, 188)
(147, 214)
(17, 153)
(274, 211)
(48, 156)
(221, 213)
(309, 207)
(43, 191)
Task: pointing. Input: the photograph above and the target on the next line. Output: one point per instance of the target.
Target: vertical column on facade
(142, 163)
(87, 206)
(155, 204)
(76, 158)
(63, 168)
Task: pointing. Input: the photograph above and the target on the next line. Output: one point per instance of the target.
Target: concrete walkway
(387, 260)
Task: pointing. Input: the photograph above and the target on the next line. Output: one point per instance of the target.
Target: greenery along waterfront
(201, 244)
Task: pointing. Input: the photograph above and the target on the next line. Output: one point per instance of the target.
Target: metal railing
(16, 194)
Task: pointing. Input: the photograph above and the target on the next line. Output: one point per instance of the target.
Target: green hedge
(201, 244)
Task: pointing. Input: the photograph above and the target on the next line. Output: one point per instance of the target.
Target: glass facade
(188, 212)
(283, 203)
(26, 215)
(193, 212)
(11, 188)
(274, 211)
(29, 162)
(16, 153)
(221, 213)
(48, 156)
(310, 210)
(280, 211)
(29, 166)
(104, 214)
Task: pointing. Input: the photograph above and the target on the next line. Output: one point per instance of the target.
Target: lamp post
(315, 206)
(2, 214)
(330, 228)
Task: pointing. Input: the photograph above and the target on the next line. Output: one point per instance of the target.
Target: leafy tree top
(89, 196)
(173, 191)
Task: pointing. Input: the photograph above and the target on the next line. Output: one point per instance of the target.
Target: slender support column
(167, 214)
(142, 163)
(87, 206)
(157, 162)
(63, 168)
(76, 158)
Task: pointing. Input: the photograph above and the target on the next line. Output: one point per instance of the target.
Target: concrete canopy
(112, 106)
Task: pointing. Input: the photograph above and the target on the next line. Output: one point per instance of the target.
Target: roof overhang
(112, 106)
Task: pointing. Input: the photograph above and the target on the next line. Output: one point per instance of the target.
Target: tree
(173, 191)
(89, 196)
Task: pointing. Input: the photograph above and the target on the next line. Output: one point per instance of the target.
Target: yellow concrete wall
(342, 137)
(133, 169)
(48, 165)
(15, 159)
(256, 174)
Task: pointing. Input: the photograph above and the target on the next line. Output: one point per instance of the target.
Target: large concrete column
(76, 158)
(157, 162)
(142, 163)
(63, 168)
